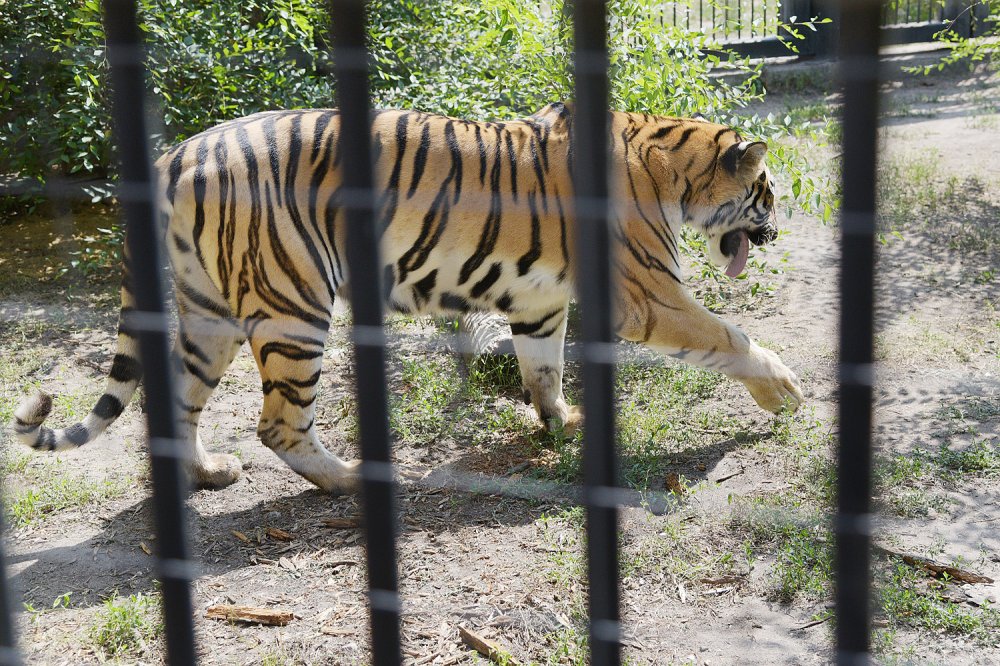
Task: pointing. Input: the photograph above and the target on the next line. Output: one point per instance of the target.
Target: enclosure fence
(175, 569)
(762, 29)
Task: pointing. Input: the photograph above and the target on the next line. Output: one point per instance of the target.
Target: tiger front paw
(568, 422)
(771, 383)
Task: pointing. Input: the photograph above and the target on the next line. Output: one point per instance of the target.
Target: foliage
(223, 59)
(981, 48)
(206, 63)
(905, 598)
(125, 626)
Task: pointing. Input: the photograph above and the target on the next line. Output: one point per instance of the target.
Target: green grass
(908, 484)
(981, 458)
(42, 490)
(799, 540)
(905, 599)
(419, 411)
(125, 626)
(902, 485)
(16, 366)
(804, 565)
(953, 213)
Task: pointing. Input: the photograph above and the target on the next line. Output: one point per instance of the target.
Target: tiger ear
(745, 156)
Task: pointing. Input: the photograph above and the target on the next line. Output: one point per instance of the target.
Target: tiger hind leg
(538, 342)
(205, 347)
(290, 366)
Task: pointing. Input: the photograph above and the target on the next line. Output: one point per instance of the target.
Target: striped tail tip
(28, 419)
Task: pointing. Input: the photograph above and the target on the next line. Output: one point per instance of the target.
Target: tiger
(472, 216)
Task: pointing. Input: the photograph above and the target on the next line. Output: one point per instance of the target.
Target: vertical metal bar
(593, 240)
(136, 195)
(859, 76)
(8, 650)
(378, 492)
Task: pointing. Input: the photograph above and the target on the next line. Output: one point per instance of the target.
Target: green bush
(207, 63)
(219, 59)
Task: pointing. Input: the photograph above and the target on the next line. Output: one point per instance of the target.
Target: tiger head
(706, 175)
(740, 210)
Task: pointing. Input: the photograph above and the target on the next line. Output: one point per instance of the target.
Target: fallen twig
(347, 522)
(729, 476)
(278, 534)
(251, 614)
(722, 580)
(812, 624)
(936, 569)
(487, 648)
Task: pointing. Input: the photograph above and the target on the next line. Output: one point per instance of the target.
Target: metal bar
(8, 648)
(593, 240)
(859, 75)
(378, 491)
(142, 240)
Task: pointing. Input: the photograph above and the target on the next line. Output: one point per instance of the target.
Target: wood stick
(279, 534)
(936, 569)
(250, 614)
(343, 523)
(729, 476)
(812, 624)
(488, 649)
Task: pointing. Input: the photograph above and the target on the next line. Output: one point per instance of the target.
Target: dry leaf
(674, 484)
(145, 548)
(239, 535)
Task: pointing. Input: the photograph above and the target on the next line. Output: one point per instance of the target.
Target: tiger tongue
(739, 260)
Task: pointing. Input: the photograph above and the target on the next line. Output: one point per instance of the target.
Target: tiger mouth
(763, 235)
(731, 241)
(735, 245)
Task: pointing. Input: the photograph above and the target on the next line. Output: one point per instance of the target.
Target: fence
(752, 27)
(859, 38)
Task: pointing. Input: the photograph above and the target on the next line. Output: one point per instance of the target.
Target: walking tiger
(472, 216)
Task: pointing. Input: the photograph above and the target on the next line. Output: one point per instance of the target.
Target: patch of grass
(125, 626)
(418, 414)
(966, 413)
(47, 489)
(568, 645)
(905, 599)
(805, 442)
(661, 416)
(804, 566)
(800, 541)
(953, 213)
(14, 460)
(900, 482)
(906, 482)
(981, 458)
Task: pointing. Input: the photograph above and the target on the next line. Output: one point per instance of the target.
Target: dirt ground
(510, 567)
